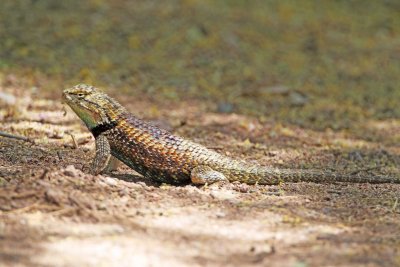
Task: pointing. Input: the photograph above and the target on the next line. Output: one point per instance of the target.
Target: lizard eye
(81, 95)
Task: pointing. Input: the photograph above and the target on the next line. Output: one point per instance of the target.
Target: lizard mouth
(66, 97)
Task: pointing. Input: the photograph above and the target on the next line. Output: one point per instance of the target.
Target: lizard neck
(109, 115)
(103, 127)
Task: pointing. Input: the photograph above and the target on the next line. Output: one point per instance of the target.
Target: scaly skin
(162, 156)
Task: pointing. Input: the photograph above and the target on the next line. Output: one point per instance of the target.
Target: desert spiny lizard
(159, 155)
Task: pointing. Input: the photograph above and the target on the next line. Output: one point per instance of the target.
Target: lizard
(164, 157)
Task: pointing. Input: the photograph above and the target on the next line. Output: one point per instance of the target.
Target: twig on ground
(25, 209)
(74, 141)
(64, 211)
(18, 137)
(43, 175)
(64, 110)
(396, 202)
(26, 194)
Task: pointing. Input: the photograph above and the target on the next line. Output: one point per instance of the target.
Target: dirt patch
(54, 214)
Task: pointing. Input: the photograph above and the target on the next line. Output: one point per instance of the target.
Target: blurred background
(317, 64)
(294, 84)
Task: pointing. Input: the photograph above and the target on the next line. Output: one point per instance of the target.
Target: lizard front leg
(103, 155)
(205, 175)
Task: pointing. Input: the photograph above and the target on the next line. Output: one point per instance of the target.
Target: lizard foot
(205, 175)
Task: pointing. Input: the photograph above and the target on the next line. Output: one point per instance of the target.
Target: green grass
(342, 56)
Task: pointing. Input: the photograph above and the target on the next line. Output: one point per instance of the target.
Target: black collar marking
(101, 128)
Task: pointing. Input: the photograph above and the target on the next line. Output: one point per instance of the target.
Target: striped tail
(265, 175)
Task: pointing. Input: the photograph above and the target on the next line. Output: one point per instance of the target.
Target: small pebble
(54, 196)
(225, 107)
(110, 181)
(220, 214)
(222, 194)
(71, 171)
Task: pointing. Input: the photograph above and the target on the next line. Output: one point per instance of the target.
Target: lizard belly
(150, 165)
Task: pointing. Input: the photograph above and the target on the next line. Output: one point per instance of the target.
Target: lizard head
(90, 104)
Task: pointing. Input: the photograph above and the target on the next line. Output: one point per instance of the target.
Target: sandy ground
(54, 214)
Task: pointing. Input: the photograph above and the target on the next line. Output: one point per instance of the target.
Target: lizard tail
(265, 175)
(321, 176)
